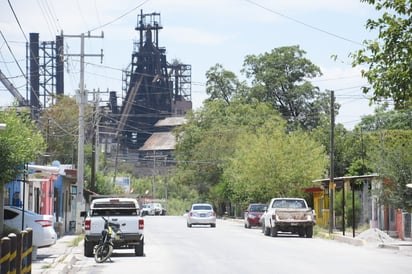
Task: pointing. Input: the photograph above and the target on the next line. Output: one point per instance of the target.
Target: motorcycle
(104, 249)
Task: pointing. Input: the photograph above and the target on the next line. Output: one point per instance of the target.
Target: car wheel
(212, 225)
(139, 249)
(302, 232)
(309, 232)
(88, 249)
(274, 231)
(189, 225)
(266, 231)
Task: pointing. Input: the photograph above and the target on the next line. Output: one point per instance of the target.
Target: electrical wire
(303, 23)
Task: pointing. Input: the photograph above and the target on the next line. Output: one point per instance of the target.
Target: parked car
(158, 209)
(42, 225)
(147, 209)
(201, 214)
(252, 215)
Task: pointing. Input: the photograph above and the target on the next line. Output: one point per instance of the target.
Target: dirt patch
(375, 235)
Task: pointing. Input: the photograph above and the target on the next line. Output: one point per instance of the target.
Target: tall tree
(281, 78)
(209, 137)
(20, 142)
(271, 163)
(223, 84)
(389, 56)
(60, 125)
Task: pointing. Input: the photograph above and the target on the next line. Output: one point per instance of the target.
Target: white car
(147, 209)
(42, 225)
(201, 214)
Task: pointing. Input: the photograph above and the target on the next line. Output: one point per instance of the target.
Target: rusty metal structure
(155, 89)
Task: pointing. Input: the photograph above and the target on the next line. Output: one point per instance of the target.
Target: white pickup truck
(122, 211)
(288, 215)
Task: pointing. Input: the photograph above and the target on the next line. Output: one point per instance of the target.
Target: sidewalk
(58, 258)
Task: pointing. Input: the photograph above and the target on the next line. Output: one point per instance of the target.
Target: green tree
(208, 139)
(389, 56)
(60, 124)
(280, 78)
(20, 143)
(389, 151)
(270, 163)
(223, 85)
(385, 119)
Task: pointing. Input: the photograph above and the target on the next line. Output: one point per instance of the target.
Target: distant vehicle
(42, 225)
(201, 214)
(147, 209)
(158, 209)
(252, 215)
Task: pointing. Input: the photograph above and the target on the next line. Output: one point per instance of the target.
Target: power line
(17, 19)
(121, 16)
(303, 23)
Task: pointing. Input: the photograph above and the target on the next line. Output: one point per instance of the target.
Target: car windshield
(289, 204)
(202, 207)
(257, 208)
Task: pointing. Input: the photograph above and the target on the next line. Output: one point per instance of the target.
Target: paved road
(64, 258)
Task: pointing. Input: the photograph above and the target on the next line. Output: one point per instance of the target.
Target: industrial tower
(155, 89)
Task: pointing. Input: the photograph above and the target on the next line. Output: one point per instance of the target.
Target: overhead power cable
(120, 17)
(17, 19)
(303, 23)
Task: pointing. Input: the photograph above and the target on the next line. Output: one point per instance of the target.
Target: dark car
(253, 214)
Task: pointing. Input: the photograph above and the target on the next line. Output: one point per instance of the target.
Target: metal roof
(160, 141)
(171, 122)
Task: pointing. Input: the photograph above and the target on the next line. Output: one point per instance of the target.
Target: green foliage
(389, 56)
(270, 164)
(59, 124)
(280, 78)
(223, 84)
(20, 143)
(208, 138)
(389, 151)
(385, 119)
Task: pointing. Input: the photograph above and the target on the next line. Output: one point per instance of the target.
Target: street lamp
(3, 126)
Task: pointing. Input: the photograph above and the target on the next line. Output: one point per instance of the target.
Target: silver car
(201, 214)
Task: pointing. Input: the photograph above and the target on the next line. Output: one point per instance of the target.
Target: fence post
(13, 253)
(5, 255)
(27, 236)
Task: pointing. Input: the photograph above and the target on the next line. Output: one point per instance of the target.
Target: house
(45, 190)
(373, 213)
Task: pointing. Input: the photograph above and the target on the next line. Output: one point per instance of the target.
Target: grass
(77, 240)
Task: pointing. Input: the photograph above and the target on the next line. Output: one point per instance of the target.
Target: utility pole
(82, 101)
(332, 162)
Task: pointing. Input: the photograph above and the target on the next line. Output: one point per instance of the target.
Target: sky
(200, 33)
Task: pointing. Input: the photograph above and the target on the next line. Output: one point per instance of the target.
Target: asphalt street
(59, 258)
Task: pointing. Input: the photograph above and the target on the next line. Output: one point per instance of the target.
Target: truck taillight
(87, 224)
(141, 224)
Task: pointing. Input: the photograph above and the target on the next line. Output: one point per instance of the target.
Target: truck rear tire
(88, 248)
(266, 231)
(274, 231)
(139, 249)
(309, 232)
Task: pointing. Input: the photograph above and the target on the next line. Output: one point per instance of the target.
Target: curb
(352, 241)
(64, 262)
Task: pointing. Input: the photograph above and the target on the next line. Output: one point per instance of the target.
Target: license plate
(202, 215)
(294, 224)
